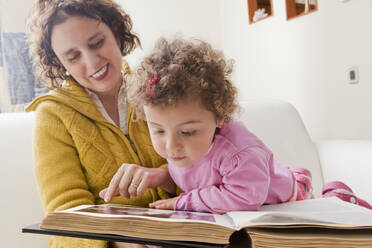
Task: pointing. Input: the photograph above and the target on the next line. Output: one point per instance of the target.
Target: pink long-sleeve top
(238, 173)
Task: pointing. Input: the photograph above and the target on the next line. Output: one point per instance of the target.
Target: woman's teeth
(100, 73)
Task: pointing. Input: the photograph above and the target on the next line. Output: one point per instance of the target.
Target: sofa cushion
(281, 128)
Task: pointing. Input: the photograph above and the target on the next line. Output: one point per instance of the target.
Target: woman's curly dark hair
(185, 68)
(45, 14)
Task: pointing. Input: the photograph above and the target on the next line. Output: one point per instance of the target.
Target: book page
(126, 211)
(330, 211)
(310, 237)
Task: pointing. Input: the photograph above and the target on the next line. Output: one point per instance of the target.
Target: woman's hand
(130, 245)
(165, 204)
(133, 180)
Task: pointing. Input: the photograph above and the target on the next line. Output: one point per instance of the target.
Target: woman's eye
(188, 133)
(98, 44)
(72, 59)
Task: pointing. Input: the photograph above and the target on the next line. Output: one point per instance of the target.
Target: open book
(326, 221)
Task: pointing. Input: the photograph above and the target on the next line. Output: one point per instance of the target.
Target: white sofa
(276, 122)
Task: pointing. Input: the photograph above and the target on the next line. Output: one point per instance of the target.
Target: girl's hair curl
(185, 69)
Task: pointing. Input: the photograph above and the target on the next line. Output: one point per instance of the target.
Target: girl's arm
(245, 184)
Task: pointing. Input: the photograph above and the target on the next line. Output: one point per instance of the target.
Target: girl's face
(182, 133)
(89, 51)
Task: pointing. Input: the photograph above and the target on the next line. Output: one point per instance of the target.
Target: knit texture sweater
(77, 152)
(239, 173)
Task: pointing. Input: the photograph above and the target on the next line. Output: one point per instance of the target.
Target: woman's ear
(220, 122)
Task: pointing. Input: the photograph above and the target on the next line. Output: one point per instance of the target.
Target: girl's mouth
(178, 158)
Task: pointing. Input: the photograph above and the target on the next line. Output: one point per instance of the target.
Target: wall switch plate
(353, 75)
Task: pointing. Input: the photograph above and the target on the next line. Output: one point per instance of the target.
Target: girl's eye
(188, 133)
(158, 132)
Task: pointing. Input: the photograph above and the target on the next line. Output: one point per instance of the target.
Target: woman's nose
(92, 61)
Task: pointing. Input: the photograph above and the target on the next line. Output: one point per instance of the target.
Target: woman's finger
(144, 184)
(113, 188)
(136, 182)
(124, 186)
(102, 193)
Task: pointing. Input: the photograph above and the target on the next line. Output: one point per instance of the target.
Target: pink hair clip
(151, 84)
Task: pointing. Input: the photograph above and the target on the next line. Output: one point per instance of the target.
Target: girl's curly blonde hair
(184, 69)
(45, 14)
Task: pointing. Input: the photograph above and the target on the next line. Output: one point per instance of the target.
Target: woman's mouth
(101, 73)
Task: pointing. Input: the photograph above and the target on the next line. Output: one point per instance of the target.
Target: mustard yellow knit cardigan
(77, 152)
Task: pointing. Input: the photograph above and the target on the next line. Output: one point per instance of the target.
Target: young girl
(184, 92)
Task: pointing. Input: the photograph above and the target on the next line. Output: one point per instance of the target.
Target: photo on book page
(285, 218)
(150, 212)
(330, 212)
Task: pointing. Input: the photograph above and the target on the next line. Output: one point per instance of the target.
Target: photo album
(293, 224)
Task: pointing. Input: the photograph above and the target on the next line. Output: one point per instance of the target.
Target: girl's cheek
(158, 147)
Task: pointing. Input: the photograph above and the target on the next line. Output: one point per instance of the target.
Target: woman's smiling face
(88, 50)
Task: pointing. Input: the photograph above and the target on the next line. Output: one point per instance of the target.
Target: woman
(83, 132)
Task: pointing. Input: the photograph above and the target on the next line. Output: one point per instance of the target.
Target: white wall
(12, 19)
(151, 19)
(305, 60)
(191, 18)
(13, 14)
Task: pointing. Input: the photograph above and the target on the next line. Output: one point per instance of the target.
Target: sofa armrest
(21, 205)
(349, 161)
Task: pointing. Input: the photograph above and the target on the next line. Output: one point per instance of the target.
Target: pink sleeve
(245, 183)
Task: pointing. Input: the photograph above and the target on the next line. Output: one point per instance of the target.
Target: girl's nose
(173, 143)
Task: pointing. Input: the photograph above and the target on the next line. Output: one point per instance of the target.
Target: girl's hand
(130, 245)
(165, 204)
(133, 180)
